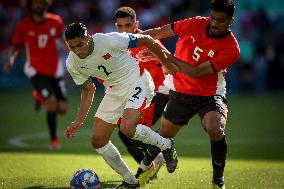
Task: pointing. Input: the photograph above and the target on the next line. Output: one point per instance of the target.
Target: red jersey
(40, 43)
(194, 46)
(148, 61)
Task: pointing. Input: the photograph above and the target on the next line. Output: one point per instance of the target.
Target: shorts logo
(44, 93)
(165, 109)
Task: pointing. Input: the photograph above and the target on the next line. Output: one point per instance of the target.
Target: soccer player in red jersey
(38, 32)
(126, 21)
(206, 48)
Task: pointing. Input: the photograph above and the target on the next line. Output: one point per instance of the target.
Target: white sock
(148, 136)
(113, 158)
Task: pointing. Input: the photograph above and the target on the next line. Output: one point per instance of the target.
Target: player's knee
(51, 103)
(98, 142)
(216, 132)
(62, 109)
(127, 131)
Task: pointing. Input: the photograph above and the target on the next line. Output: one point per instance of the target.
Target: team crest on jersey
(107, 56)
(52, 31)
(211, 53)
(31, 33)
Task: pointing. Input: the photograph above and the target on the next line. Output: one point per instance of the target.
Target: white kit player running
(129, 90)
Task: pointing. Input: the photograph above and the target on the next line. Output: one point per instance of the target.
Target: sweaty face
(39, 6)
(220, 23)
(126, 24)
(80, 46)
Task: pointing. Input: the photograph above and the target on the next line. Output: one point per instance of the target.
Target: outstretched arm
(12, 56)
(148, 41)
(87, 95)
(202, 69)
(160, 32)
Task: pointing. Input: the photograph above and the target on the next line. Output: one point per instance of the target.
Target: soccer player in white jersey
(129, 90)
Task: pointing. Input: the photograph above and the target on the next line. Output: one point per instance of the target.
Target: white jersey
(109, 60)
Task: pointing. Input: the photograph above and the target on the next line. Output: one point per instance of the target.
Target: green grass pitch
(255, 133)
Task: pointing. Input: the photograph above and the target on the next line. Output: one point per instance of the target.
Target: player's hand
(7, 67)
(165, 70)
(145, 55)
(168, 66)
(72, 129)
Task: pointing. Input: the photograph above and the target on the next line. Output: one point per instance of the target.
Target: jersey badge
(107, 56)
(211, 54)
(52, 31)
(31, 33)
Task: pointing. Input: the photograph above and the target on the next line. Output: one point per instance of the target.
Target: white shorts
(133, 94)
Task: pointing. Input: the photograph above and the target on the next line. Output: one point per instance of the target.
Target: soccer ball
(85, 179)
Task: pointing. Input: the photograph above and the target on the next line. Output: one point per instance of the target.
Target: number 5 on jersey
(196, 53)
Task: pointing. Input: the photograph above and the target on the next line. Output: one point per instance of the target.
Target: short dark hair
(74, 30)
(28, 3)
(227, 6)
(123, 12)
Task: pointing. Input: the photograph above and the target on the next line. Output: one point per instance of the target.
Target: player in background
(129, 89)
(125, 21)
(38, 33)
(205, 50)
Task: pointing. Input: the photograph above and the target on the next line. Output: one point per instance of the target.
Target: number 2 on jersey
(42, 40)
(104, 69)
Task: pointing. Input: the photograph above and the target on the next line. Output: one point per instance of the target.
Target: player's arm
(87, 94)
(14, 51)
(160, 32)
(150, 43)
(202, 69)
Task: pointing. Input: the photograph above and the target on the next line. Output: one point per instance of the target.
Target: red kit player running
(38, 33)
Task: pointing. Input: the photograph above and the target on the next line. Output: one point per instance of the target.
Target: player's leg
(107, 115)
(38, 98)
(61, 95)
(134, 147)
(214, 116)
(160, 101)
(43, 84)
(57, 88)
(150, 115)
(140, 97)
(176, 114)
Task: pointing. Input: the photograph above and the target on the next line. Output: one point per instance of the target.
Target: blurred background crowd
(258, 26)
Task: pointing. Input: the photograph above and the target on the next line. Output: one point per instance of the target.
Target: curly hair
(75, 30)
(227, 6)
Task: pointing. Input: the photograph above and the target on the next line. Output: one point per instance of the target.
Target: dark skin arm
(160, 32)
(150, 43)
(202, 69)
(14, 51)
(87, 94)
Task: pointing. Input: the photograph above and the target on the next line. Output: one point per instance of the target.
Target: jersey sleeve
(78, 78)
(117, 40)
(225, 59)
(19, 36)
(183, 27)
